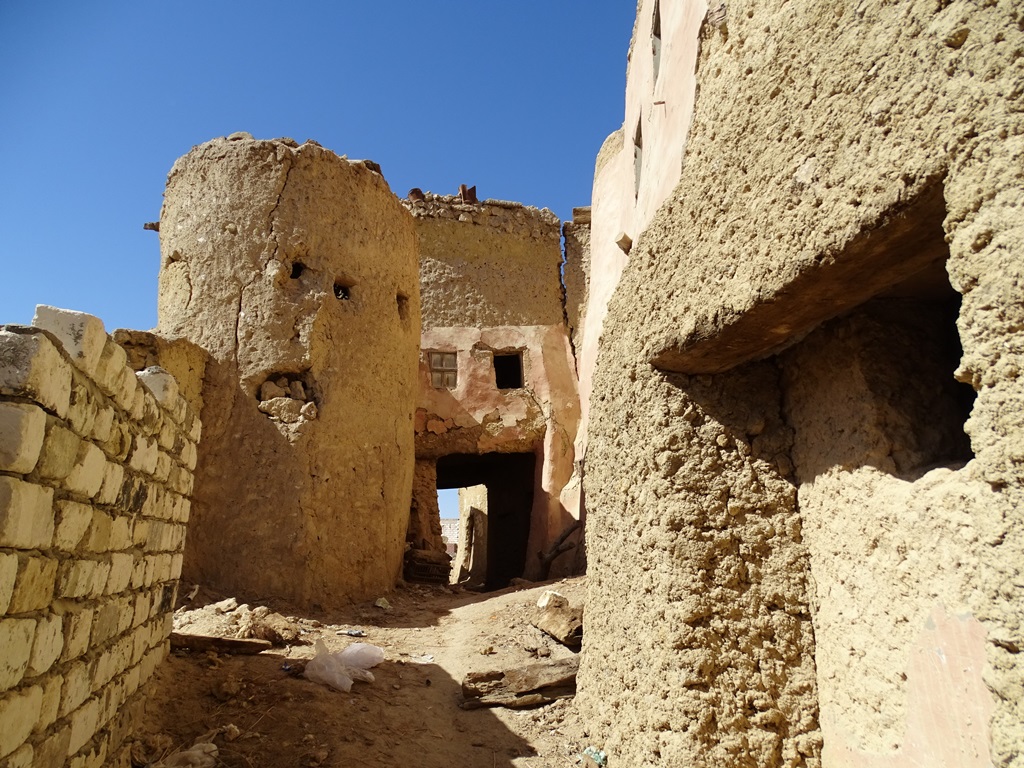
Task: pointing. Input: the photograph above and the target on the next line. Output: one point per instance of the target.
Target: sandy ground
(408, 717)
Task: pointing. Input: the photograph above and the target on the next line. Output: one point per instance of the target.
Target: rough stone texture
(693, 544)
(504, 271)
(576, 272)
(834, 151)
(92, 538)
(899, 655)
(294, 267)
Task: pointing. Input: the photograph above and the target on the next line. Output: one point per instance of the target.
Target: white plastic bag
(361, 655)
(338, 670)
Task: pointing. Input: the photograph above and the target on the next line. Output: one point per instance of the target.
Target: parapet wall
(95, 476)
(504, 257)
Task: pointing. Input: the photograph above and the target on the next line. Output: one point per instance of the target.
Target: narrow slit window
(656, 39)
(444, 369)
(638, 157)
(508, 370)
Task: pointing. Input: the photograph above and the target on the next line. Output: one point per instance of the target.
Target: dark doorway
(509, 481)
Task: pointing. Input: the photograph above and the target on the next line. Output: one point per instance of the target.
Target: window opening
(638, 156)
(297, 269)
(508, 370)
(656, 39)
(444, 369)
(342, 292)
(403, 306)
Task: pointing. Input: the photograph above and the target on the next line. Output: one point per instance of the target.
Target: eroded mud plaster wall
(897, 537)
(631, 183)
(576, 271)
(95, 475)
(699, 647)
(826, 140)
(491, 286)
(295, 269)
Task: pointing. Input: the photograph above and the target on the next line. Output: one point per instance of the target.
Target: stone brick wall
(95, 477)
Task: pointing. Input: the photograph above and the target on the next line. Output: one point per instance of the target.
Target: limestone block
(195, 427)
(52, 751)
(143, 604)
(140, 532)
(84, 722)
(152, 660)
(33, 589)
(82, 335)
(168, 435)
(144, 455)
(189, 456)
(83, 408)
(86, 477)
(8, 577)
(98, 539)
(113, 476)
(47, 645)
(26, 514)
(120, 533)
(23, 757)
(22, 429)
(112, 364)
(78, 578)
(139, 572)
(19, 712)
(77, 631)
(176, 562)
(132, 680)
(60, 449)
(121, 566)
(152, 415)
(51, 701)
(73, 519)
(134, 496)
(119, 443)
(163, 467)
(125, 613)
(104, 626)
(137, 411)
(31, 366)
(162, 384)
(16, 641)
(103, 424)
(77, 687)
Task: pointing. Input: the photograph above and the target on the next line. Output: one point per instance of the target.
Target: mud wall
(490, 280)
(95, 475)
(576, 272)
(295, 270)
(893, 524)
(827, 144)
(487, 264)
(629, 189)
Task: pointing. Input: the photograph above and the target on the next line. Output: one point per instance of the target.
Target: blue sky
(98, 99)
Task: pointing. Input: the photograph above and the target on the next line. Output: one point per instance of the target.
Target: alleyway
(409, 716)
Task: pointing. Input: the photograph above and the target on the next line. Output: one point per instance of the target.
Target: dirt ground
(264, 715)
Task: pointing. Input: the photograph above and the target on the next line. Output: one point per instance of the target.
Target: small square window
(444, 369)
(508, 370)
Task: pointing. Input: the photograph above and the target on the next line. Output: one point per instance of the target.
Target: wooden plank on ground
(232, 645)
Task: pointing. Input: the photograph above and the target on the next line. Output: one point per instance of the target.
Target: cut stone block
(26, 514)
(19, 712)
(22, 428)
(31, 366)
(82, 335)
(16, 640)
